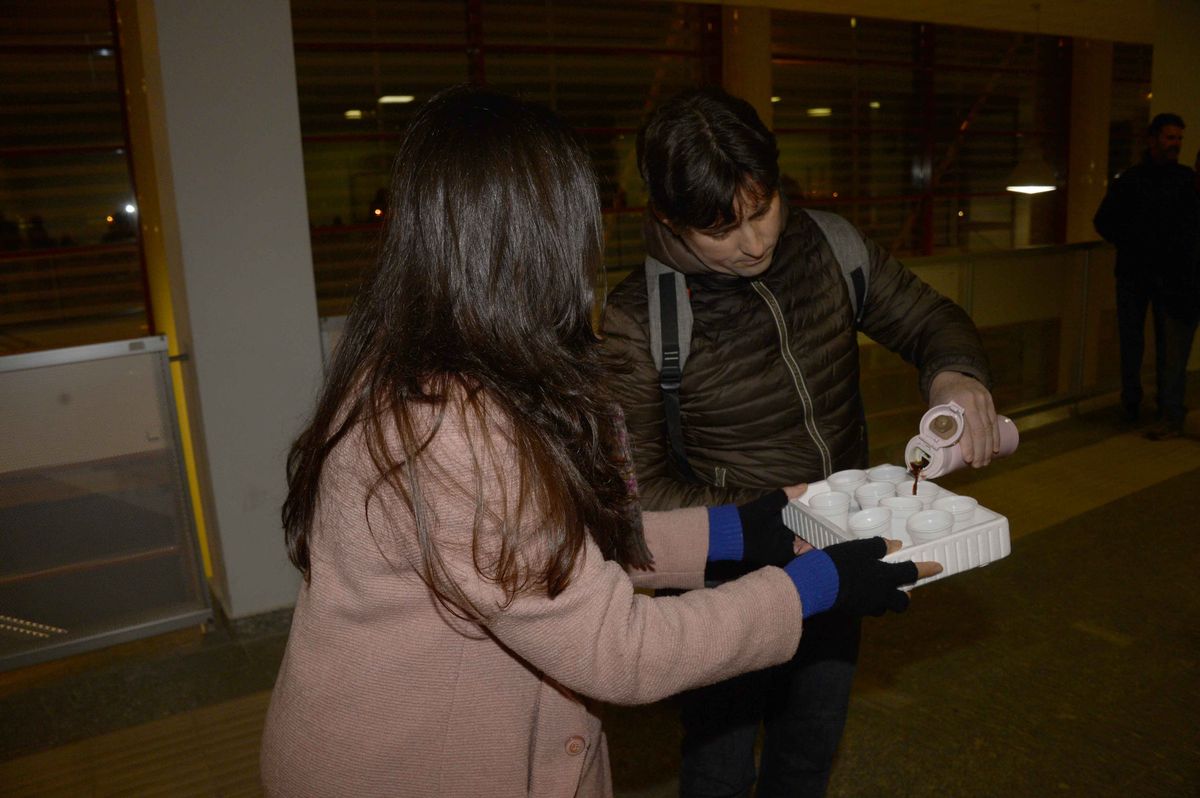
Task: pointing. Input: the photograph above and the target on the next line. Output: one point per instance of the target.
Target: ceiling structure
(1112, 20)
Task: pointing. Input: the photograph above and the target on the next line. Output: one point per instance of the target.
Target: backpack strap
(670, 342)
(671, 320)
(850, 252)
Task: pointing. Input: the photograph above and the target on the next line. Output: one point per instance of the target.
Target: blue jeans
(802, 705)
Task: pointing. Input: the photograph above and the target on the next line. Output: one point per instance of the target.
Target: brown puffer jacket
(770, 393)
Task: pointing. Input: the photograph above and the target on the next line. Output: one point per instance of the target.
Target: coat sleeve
(635, 385)
(598, 637)
(925, 328)
(678, 541)
(602, 639)
(1112, 217)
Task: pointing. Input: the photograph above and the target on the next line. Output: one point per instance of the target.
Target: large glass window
(913, 130)
(70, 258)
(1130, 111)
(599, 65)
(910, 130)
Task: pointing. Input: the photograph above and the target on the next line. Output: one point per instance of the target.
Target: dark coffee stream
(914, 468)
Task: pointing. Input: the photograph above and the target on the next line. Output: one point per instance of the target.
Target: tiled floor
(211, 751)
(1069, 668)
(69, 700)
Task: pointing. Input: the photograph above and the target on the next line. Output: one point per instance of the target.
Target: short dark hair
(698, 150)
(1163, 120)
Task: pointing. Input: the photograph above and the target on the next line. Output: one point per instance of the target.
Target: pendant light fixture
(1033, 174)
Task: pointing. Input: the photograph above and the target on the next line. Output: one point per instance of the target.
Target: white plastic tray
(983, 541)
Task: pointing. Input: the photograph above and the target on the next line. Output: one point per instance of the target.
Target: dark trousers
(802, 705)
(1133, 298)
(1173, 338)
(1177, 338)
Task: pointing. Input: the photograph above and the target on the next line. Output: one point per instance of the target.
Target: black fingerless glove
(765, 538)
(866, 585)
(850, 577)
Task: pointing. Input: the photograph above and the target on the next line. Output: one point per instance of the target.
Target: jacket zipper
(806, 401)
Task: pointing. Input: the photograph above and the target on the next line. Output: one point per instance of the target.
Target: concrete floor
(1068, 668)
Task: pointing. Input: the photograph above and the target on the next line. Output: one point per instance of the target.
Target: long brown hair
(483, 290)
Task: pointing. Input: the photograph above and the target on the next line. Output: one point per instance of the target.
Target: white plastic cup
(902, 506)
(869, 493)
(834, 506)
(927, 492)
(887, 473)
(929, 525)
(961, 507)
(871, 522)
(847, 481)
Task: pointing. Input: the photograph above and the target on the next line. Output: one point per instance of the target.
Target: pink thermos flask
(937, 444)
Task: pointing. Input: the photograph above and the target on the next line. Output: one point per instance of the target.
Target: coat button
(575, 746)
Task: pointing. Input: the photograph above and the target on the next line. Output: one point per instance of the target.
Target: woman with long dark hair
(462, 509)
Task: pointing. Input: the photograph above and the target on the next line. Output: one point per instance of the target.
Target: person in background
(1150, 215)
(463, 511)
(770, 391)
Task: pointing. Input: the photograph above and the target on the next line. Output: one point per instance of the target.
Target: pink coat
(383, 692)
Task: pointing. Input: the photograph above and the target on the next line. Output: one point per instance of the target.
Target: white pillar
(218, 96)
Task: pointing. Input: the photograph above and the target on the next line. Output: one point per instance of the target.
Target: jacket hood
(666, 247)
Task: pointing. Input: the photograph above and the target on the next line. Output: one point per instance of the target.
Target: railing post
(1084, 305)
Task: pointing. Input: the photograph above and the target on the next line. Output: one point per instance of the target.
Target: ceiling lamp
(1032, 174)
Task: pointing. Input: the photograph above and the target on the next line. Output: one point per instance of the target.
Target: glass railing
(67, 296)
(97, 538)
(1047, 317)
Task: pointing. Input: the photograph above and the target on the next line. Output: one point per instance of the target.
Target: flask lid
(942, 425)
